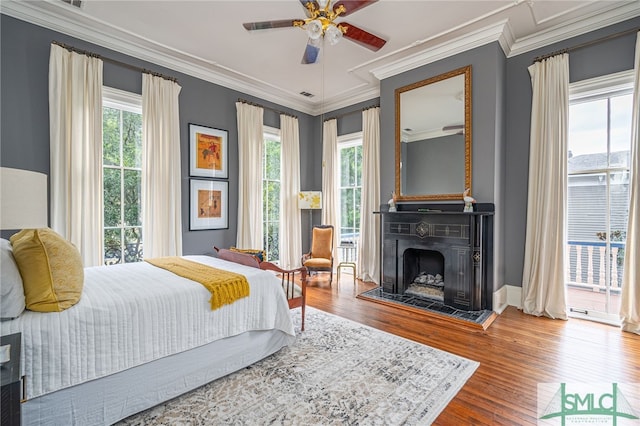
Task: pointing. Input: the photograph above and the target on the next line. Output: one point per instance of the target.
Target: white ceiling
(206, 38)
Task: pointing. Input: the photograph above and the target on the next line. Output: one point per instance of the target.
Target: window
(350, 185)
(122, 176)
(271, 193)
(598, 194)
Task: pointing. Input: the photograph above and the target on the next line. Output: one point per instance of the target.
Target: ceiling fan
(320, 24)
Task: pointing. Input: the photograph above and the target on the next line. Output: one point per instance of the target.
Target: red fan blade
(351, 5)
(311, 52)
(283, 23)
(362, 37)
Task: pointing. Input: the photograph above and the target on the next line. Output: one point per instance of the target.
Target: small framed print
(208, 204)
(208, 152)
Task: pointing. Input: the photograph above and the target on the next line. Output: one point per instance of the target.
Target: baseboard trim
(507, 295)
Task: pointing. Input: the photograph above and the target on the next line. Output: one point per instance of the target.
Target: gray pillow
(11, 289)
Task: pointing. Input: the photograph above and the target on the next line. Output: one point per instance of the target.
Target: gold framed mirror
(433, 137)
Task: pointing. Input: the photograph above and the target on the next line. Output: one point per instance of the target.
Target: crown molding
(572, 28)
(491, 33)
(72, 21)
(347, 99)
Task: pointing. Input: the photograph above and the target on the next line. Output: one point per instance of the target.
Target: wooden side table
(11, 383)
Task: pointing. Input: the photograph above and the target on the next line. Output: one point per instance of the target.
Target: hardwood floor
(516, 352)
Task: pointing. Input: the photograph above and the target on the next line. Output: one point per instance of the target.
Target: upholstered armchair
(320, 258)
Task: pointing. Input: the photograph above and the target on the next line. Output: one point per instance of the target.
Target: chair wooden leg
(302, 326)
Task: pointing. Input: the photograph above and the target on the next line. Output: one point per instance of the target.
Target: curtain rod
(585, 44)
(244, 101)
(351, 112)
(113, 61)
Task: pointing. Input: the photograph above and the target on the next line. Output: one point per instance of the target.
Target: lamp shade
(23, 199)
(310, 200)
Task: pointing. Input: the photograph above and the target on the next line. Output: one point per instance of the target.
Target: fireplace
(424, 274)
(440, 253)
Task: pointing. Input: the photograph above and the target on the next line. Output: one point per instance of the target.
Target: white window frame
(272, 133)
(346, 141)
(592, 89)
(130, 102)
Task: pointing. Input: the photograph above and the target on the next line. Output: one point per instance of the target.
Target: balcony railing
(586, 266)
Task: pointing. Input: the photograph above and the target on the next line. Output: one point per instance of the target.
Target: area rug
(337, 372)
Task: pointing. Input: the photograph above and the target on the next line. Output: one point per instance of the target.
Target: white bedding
(135, 313)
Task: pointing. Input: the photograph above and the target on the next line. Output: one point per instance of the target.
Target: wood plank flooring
(516, 352)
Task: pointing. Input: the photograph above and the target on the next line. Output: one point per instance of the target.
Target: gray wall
(599, 59)
(24, 68)
(501, 108)
(487, 130)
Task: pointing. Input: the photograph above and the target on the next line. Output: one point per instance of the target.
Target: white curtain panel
(290, 228)
(630, 302)
(543, 281)
(161, 177)
(75, 131)
(330, 182)
(369, 241)
(250, 148)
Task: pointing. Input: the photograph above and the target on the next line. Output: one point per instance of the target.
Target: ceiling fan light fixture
(333, 34)
(320, 23)
(314, 29)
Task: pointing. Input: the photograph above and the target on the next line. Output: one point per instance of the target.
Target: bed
(141, 335)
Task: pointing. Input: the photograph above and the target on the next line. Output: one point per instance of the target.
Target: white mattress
(136, 313)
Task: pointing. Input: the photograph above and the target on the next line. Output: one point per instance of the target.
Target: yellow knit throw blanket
(225, 287)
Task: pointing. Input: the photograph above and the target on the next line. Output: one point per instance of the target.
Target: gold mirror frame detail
(466, 71)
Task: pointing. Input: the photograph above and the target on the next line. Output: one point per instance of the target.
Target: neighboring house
(587, 218)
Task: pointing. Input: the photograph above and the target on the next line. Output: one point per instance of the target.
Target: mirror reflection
(433, 137)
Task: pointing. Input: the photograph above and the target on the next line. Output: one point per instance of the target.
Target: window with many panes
(350, 187)
(122, 176)
(271, 193)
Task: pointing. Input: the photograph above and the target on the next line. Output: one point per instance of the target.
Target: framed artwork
(208, 204)
(208, 152)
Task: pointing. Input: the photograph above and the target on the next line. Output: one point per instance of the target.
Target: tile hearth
(479, 318)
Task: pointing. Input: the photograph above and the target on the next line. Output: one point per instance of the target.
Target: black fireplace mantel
(465, 239)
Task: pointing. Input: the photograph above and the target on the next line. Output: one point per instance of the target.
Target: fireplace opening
(424, 274)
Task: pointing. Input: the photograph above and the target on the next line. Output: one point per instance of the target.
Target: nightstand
(11, 384)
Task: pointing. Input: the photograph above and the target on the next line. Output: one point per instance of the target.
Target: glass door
(598, 203)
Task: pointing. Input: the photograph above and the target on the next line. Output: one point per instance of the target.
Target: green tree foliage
(271, 199)
(350, 189)
(122, 160)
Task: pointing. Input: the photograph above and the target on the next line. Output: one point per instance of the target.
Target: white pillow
(11, 289)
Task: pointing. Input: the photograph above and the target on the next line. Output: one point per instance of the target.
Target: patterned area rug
(337, 372)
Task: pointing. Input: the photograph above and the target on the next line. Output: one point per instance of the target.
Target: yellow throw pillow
(51, 269)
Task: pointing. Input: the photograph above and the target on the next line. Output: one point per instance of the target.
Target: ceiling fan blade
(265, 25)
(351, 5)
(306, 8)
(362, 37)
(311, 52)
